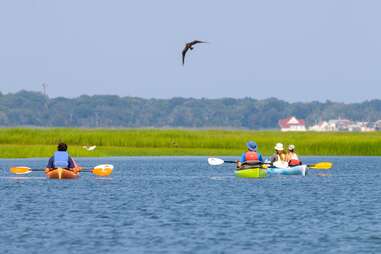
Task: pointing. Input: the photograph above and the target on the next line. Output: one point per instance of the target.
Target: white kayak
(297, 170)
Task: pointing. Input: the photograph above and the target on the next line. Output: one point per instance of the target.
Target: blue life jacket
(61, 159)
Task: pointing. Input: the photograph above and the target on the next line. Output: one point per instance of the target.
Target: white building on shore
(342, 125)
(322, 127)
(292, 124)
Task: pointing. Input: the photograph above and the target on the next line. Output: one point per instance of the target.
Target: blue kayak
(297, 170)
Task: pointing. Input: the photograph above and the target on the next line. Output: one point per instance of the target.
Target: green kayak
(251, 173)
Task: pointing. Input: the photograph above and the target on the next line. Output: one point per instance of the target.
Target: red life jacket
(251, 156)
(294, 163)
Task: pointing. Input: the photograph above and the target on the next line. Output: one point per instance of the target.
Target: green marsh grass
(41, 142)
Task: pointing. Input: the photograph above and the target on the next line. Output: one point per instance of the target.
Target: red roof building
(292, 124)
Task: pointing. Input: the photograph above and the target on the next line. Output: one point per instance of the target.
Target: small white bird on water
(89, 148)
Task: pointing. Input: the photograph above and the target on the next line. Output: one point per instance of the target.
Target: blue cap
(251, 145)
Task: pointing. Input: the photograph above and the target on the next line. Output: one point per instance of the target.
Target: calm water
(183, 205)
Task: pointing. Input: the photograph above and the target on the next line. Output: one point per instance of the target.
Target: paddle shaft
(43, 170)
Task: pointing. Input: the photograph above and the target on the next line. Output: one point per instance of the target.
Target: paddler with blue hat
(251, 156)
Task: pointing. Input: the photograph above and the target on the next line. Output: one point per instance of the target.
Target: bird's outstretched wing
(189, 46)
(185, 52)
(196, 42)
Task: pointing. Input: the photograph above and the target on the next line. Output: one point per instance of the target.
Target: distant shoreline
(37, 142)
(32, 109)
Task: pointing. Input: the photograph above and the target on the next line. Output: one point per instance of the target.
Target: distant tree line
(34, 109)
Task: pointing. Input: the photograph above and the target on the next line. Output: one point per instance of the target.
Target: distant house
(292, 124)
(367, 126)
(323, 126)
(377, 125)
(341, 124)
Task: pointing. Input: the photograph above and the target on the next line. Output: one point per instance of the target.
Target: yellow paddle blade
(103, 170)
(321, 165)
(20, 170)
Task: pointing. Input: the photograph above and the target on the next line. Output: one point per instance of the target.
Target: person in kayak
(251, 157)
(61, 159)
(279, 158)
(278, 151)
(282, 162)
(292, 157)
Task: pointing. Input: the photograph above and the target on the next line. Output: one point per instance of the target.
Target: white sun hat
(291, 147)
(279, 147)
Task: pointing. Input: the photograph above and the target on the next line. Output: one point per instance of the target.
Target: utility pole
(46, 99)
(44, 88)
(96, 120)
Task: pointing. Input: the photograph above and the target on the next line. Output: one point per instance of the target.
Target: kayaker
(282, 162)
(292, 157)
(61, 159)
(278, 151)
(251, 157)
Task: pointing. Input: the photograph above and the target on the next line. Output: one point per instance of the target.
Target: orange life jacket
(251, 156)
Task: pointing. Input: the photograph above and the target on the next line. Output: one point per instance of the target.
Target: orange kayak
(61, 173)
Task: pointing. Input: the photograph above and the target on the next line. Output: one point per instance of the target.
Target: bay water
(183, 205)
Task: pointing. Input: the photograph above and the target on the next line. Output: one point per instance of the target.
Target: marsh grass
(41, 142)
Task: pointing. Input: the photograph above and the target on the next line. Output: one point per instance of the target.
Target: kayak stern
(61, 173)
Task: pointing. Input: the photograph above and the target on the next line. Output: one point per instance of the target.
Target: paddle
(218, 161)
(100, 170)
(320, 165)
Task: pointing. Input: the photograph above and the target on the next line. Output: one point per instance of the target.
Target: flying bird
(188, 46)
(89, 148)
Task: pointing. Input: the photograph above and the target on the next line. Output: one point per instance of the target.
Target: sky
(295, 50)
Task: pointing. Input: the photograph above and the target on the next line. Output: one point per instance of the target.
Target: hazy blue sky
(297, 50)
